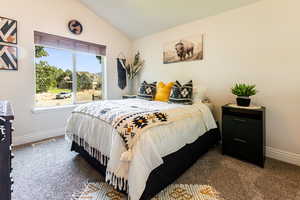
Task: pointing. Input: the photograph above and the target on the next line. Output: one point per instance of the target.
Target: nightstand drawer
(242, 150)
(244, 130)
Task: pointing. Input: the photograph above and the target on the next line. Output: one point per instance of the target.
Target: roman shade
(45, 39)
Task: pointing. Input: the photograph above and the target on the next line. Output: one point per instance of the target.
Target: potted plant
(243, 93)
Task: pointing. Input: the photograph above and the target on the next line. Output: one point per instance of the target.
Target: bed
(141, 146)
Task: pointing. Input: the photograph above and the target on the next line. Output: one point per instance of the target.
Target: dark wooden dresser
(6, 180)
(243, 133)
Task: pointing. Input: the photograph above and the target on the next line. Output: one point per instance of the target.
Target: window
(89, 77)
(66, 76)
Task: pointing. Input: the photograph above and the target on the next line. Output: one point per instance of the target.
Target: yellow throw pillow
(163, 91)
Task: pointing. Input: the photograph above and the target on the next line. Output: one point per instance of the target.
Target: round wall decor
(75, 27)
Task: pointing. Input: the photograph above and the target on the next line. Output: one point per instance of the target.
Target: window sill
(50, 109)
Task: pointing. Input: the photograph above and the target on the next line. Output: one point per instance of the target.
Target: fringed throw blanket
(91, 150)
(130, 128)
(124, 123)
(131, 119)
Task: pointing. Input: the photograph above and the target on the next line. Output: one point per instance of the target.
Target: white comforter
(154, 144)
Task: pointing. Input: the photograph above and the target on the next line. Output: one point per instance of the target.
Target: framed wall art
(185, 49)
(8, 57)
(8, 30)
(75, 27)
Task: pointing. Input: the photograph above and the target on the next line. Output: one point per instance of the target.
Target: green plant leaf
(243, 89)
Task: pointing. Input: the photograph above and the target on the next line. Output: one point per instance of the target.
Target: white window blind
(45, 39)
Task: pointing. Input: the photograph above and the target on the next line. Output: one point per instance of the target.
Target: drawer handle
(240, 140)
(239, 120)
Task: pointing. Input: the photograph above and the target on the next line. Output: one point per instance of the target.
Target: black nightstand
(243, 133)
(128, 96)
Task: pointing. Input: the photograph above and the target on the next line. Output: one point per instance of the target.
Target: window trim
(74, 78)
(74, 104)
(37, 110)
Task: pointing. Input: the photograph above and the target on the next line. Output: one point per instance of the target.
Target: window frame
(74, 103)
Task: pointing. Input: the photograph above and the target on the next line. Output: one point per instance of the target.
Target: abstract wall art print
(8, 30)
(8, 57)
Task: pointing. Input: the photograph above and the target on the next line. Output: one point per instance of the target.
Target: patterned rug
(103, 191)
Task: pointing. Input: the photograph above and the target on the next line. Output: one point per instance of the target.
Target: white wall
(258, 44)
(51, 16)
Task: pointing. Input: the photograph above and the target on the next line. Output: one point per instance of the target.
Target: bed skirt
(174, 165)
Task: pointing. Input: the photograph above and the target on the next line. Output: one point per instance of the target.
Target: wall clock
(75, 27)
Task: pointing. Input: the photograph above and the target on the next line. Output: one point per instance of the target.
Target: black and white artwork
(8, 30)
(184, 49)
(8, 57)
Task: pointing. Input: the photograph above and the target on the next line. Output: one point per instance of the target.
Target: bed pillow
(182, 94)
(163, 91)
(147, 91)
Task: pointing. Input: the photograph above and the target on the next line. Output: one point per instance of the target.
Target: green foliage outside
(40, 52)
(243, 90)
(84, 81)
(45, 76)
(52, 79)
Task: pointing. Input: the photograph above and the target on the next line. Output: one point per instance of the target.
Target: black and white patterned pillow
(182, 94)
(147, 91)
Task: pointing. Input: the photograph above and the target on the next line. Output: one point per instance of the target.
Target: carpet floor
(49, 171)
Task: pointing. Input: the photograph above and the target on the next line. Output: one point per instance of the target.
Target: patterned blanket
(131, 118)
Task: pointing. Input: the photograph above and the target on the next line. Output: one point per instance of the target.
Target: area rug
(103, 191)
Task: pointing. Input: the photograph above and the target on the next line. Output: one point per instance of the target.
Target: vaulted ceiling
(138, 18)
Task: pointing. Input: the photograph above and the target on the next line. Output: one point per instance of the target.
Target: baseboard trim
(284, 156)
(37, 136)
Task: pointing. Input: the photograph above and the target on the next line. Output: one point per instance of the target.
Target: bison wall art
(185, 49)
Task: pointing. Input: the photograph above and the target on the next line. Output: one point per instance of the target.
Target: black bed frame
(174, 165)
